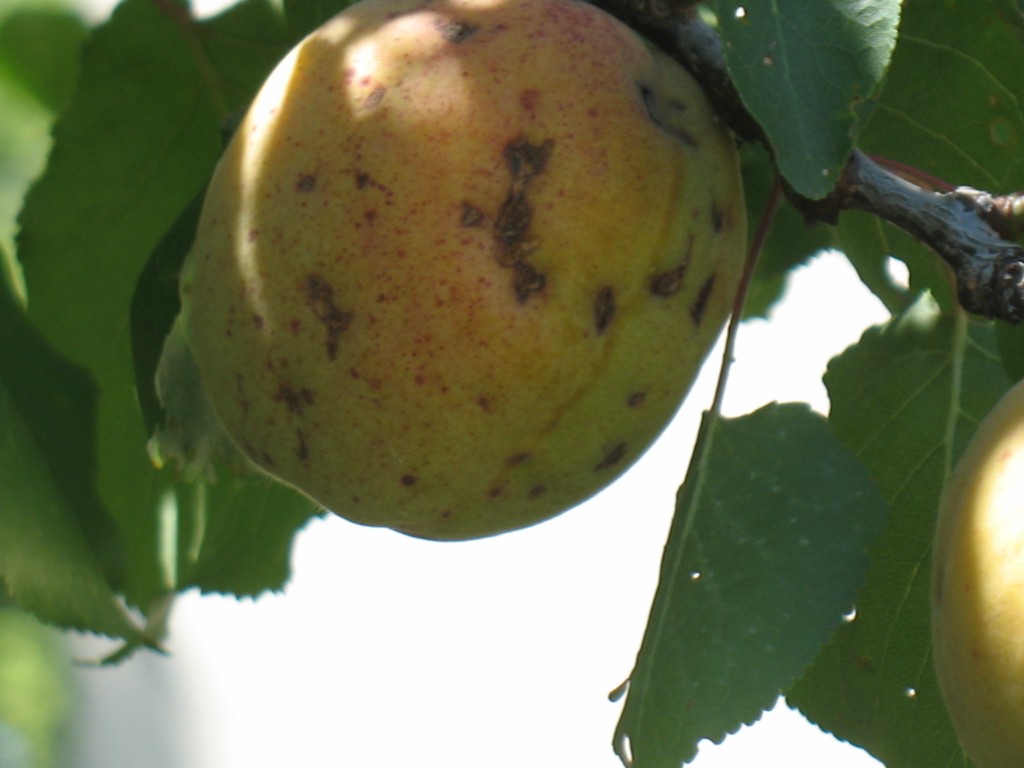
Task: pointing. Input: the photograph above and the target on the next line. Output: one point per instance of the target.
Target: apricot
(978, 590)
(462, 260)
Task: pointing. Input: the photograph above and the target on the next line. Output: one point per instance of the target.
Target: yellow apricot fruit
(978, 590)
(462, 260)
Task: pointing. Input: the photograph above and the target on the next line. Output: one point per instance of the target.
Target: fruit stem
(764, 227)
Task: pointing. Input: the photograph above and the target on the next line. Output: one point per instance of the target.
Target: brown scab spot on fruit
(320, 297)
(455, 30)
(637, 399)
(511, 229)
(408, 480)
(517, 459)
(513, 218)
(717, 218)
(375, 97)
(364, 180)
(700, 303)
(306, 182)
(668, 283)
(604, 309)
(654, 112)
(294, 399)
(528, 281)
(525, 159)
(650, 103)
(494, 493)
(302, 449)
(537, 490)
(613, 457)
(471, 215)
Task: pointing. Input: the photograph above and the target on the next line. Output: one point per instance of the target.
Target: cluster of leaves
(798, 561)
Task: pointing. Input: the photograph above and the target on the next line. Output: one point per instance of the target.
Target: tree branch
(971, 230)
(956, 225)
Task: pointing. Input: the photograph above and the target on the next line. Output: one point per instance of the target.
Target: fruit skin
(978, 590)
(462, 260)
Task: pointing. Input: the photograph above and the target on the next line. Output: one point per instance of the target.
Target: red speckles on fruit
(480, 290)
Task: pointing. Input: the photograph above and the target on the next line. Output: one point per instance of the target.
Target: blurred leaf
(804, 71)
(39, 50)
(155, 305)
(35, 690)
(905, 400)
(306, 15)
(766, 553)
(141, 136)
(55, 401)
(48, 553)
(247, 532)
(233, 532)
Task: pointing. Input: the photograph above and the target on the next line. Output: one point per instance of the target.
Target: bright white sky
(386, 651)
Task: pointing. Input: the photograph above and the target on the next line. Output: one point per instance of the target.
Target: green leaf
(952, 109)
(804, 71)
(39, 52)
(905, 400)
(56, 401)
(140, 138)
(1010, 341)
(58, 549)
(765, 555)
(247, 529)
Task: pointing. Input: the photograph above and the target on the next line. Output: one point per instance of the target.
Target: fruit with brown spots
(462, 260)
(978, 590)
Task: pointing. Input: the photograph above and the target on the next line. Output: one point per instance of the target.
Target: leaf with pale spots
(765, 555)
(808, 73)
(905, 401)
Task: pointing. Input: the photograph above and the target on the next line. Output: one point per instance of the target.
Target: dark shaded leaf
(804, 71)
(39, 51)
(141, 137)
(58, 548)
